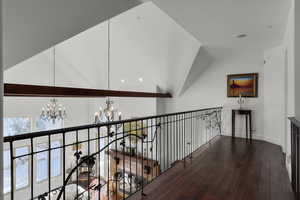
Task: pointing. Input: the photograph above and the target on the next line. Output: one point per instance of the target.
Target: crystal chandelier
(53, 110)
(109, 113)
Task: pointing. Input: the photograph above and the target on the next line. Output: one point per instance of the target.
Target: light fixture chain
(109, 113)
(53, 110)
(54, 66)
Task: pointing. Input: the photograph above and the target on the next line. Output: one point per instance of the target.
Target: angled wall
(201, 62)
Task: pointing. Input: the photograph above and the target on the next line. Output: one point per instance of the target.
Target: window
(43, 125)
(6, 171)
(16, 125)
(42, 158)
(20, 125)
(55, 159)
(42, 161)
(22, 168)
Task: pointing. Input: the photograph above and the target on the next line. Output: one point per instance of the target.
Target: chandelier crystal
(108, 114)
(53, 111)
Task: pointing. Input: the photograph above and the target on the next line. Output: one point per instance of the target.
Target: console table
(248, 116)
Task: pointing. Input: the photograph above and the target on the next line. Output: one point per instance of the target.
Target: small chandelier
(109, 113)
(53, 110)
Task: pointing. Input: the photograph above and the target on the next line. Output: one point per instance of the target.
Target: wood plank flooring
(227, 170)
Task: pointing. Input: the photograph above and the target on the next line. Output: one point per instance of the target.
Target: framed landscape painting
(245, 85)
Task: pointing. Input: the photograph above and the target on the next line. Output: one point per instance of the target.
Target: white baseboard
(259, 137)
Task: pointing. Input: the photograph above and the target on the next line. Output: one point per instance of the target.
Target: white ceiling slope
(201, 62)
(216, 22)
(32, 26)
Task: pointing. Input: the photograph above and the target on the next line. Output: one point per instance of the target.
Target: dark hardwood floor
(226, 170)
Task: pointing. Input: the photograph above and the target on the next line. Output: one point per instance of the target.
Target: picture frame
(244, 85)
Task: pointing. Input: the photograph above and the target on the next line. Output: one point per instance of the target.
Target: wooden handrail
(21, 90)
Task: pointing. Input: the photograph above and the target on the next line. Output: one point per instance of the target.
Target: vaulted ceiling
(218, 23)
(215, 23)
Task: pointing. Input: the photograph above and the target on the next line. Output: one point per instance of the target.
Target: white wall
(148, 43)
(289, 43)
(275, 96)
(210, 90)
(297, 60)
(38, 70)
(269, 108)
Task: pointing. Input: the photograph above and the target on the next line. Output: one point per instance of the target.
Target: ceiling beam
(20, 90)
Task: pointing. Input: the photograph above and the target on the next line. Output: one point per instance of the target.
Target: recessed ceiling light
(122, 81)
(241, 35)
(141, 79)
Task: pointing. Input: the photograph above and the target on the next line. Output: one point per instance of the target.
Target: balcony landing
(226, 170)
